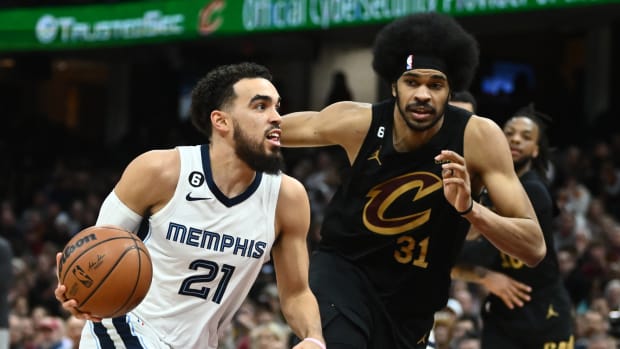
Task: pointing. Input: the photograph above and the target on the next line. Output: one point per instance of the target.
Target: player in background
(528, 307)
(216, 212)
(464, 100)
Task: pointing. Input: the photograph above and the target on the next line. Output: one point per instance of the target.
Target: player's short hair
(541, 163)
(426, 40)
(215, 91)
(465, 97)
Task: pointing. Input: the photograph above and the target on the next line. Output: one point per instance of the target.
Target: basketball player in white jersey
(216, 212)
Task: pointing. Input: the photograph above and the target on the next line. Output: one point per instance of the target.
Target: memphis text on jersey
(218, 242)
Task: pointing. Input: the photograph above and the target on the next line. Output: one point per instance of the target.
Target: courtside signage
(85, 26)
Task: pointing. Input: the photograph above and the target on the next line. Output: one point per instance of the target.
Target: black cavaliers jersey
(545, 277)
(390, 217)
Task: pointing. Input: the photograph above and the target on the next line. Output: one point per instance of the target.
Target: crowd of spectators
(47, 200)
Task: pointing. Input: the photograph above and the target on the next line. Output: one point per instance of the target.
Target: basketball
(107, 270)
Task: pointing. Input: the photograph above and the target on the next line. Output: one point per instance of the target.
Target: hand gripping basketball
(106, 270)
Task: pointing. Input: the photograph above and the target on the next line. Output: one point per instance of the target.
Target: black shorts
(544, 322)
(352, 313)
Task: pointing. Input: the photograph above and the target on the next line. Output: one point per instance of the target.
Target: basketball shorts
(352, 314)
(544, 322)
(124, 332)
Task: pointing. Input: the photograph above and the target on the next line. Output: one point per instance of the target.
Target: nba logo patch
(409, 62)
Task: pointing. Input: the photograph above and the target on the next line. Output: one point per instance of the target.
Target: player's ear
(536, 151)
(393, 89)
(220, 120)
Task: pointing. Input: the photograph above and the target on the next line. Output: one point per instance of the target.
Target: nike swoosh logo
(189, 197)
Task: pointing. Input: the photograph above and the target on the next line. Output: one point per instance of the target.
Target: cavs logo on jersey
(383, 195)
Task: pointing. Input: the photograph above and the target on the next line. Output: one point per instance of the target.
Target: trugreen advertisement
(151, 21)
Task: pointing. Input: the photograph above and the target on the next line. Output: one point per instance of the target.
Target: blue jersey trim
(228, 202)
(102, 336)
(130, 340)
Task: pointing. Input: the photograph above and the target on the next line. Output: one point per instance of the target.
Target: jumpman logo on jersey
(375, 156)
(422, 340)
(551, 312)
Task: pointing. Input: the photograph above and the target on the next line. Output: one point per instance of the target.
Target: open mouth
(274, 136)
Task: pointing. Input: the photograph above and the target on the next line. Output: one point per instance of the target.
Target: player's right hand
(69, 304)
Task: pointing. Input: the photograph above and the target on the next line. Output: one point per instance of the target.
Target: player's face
(421, 97)
(522, 135)
(256, 122)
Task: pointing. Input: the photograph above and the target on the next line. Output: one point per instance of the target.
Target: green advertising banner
(156, 21)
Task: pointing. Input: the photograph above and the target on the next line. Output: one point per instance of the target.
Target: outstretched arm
(342, 123)
(290, 257)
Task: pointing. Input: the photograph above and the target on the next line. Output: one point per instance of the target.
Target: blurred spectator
(444, 323)
(612, 239)
(51, 334)
(468, 341)
(597, 218)
(610, 182)
(45, 280)
(575, 281)
(442, 330)
(612, 298)
(270, 300)
(589, 325)
(578, 198)
(6, 278)
(565, 231)
(270, 335)
(601, 341)
(73, 328)
(322, 182)
(339, 89)
(466, 325)
(9, 229)
(16, 332)
(243, 322)
(601, 305)
(226, 338)
(469, 305)
(594, 266)
(573, 162)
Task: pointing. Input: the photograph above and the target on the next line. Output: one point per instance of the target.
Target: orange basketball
(106, 270)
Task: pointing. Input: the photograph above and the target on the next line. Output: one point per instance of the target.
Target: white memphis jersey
(207, 250)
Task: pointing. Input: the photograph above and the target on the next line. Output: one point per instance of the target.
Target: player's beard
(414, 125)
(255, 155)
(522, 163)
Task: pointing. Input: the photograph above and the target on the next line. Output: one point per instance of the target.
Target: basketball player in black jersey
(396, 224)
(527, 308)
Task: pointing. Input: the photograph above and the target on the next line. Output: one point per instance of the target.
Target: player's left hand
(510, 291)
(456, 182)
